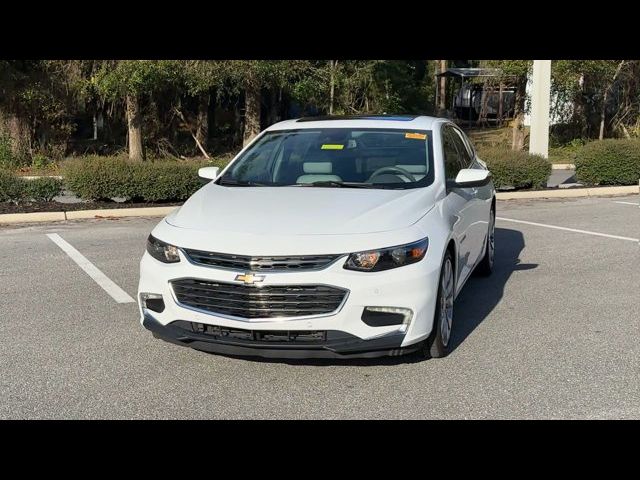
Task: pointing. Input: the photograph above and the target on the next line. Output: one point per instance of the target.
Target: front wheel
(437, 345)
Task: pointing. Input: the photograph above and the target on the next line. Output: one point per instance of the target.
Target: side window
(452, 163)
(464, 149)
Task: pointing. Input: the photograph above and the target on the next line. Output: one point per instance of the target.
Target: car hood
(301, 210)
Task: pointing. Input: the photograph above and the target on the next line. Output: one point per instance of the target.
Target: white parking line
(100, 278)
(628, 203)
(629, 239)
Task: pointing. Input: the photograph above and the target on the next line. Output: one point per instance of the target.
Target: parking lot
(553, 333)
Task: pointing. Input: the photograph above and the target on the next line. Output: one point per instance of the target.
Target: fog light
(152, 301)
(385, 316)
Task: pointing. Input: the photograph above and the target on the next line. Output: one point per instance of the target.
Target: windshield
(336, 157)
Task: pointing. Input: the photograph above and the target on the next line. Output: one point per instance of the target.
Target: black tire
(438, 345)
(485, 267)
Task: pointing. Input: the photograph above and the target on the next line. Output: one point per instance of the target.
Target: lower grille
(258, 336)
(249, 301)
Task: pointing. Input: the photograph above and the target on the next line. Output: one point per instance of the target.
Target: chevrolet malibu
(336, 237)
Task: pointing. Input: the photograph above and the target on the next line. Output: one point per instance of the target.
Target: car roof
(400, 122)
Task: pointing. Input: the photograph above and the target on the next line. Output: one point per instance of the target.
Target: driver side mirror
(472, 177)
(209, 173)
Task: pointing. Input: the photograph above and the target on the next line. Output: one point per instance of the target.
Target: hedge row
(609, 162)
(16, 189)
(104, 178)
(605, 162)
(101, 178)
(516, 168)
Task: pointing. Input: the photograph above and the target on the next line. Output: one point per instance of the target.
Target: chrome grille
(246, 263)
(248, 301)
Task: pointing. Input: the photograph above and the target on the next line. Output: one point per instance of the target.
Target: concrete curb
(563, 166)
(84, 214)
(31, 217)
(119, 212)
(34, 177)
(570, 193)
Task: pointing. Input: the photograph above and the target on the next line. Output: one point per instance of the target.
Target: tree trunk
(517, 139)
(134, 123)
(442, 89)
(236, 136)
(202, 120)
(605, 97)
(603, 113)
(332, 68)
(273, 113)
(17, 129)
(579, 114)
(252, 107)
(95, 127)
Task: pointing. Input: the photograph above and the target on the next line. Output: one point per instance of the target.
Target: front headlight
(384, 259)
(162, 251)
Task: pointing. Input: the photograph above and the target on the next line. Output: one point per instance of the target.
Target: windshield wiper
(335, 183)
(241, 183)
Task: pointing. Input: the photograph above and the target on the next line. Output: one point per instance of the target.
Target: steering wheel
(392, 169)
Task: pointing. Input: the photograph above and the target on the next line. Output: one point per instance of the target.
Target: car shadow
(476, 301)
(480, 295)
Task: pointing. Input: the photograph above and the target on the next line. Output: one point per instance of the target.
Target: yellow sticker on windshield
(332, 146)
(416, 136)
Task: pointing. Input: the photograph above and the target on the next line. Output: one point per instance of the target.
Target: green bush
(609, 162)
(7, 159)
(164, 180)
(566, 153)
(11, 187)
(516, 169)
(100, 178)
(40, 161)
(43, 189)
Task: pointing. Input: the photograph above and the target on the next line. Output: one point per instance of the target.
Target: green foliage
(200, 76)
(135, 77)
(102, 178)
(566, 153)
(510, 68)
(516, 169)
(42, 189)
(98, 178)
(609, 162)
(7, 159)
(164, 180)
(52, 103)
(40, 161)
(16, 189)
(11, 187)
(367, 86)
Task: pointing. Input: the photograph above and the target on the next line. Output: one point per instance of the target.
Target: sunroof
(395, 118)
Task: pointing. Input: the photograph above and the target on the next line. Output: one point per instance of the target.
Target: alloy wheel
(492, 234)
(446, 302)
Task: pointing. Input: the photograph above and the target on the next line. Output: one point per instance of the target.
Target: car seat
(317, 172)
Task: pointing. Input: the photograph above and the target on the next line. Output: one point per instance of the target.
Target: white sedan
(332, 237)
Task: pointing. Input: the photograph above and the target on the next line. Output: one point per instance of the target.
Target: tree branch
(199, 145)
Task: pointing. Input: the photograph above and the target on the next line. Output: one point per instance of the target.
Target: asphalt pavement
(553, 333)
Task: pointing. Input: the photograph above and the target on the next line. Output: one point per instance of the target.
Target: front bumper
(413, 287)
(335, 345)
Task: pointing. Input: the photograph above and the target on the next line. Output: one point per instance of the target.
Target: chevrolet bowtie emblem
(249, 278)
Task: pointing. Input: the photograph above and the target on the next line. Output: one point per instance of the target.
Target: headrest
(317, 167)
(414, 168)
